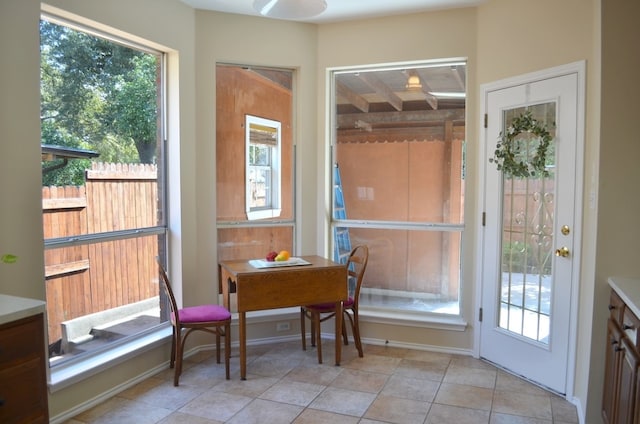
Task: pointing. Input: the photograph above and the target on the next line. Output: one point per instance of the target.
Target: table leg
(242, 330)
(338, 320)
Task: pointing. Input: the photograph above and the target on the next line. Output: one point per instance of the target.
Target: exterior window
(103, 189)
(263, 168)
(254, 161)
(398, 178)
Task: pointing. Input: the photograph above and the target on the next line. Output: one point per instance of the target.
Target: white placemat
(263, 263)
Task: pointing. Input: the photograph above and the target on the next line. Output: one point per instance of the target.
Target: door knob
(563, 252)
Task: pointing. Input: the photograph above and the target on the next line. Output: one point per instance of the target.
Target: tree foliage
(96, 95)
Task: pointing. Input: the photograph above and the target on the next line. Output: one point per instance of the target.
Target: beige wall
(501, 38)
(516, 37)
(619, 182)
(168, 24)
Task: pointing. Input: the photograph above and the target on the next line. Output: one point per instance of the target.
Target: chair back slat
(166, 286)
(356, 267)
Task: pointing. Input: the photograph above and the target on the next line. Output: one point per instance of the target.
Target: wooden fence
(95, 277)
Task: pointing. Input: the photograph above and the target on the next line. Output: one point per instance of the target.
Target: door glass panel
(527, 233)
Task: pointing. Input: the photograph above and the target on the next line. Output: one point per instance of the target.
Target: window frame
(380, 313)
(73, 370)
(274, 207)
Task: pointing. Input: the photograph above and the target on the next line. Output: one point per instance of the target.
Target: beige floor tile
(287, 385)
(498, 418)
(94, 413)
(271, 366)
(511, 383)
(293, 392)
(216, 405)
(314, 373)
(465, 396)
(262, 411)
(563, 411)
(524, 404)
(141, 388)
(385, 350)
(471, 362)
(426, 356)
(253, 387)
(347, 402)
(181, 418)
(478, 377)
(374, 363)
(315, 416)
(133, 412)
(411, 388)
(446, 414)
(170, 397)
(396, 410)
(361, 381)
(427, 370)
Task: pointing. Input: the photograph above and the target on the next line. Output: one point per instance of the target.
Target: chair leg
(356, 333)
(227, 348)
(318, 336)
(313, 329)
(345, 339)
(302, 329)
(172, 361)
(218, 345)
(179, 347)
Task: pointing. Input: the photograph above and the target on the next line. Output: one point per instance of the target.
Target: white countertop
(13, 308)
(629, 291)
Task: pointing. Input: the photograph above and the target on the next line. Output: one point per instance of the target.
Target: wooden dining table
(259, 285)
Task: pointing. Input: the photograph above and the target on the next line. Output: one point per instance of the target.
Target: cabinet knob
(611, 307)
(618, 348)
(614, 342)
(1, 402)
(627, 327)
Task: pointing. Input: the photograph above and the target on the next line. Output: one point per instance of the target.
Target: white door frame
(578, 68)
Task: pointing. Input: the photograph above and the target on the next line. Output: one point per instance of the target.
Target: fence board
(85, 279)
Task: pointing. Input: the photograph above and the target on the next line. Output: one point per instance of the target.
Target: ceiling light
(413, 83)
(290, 9)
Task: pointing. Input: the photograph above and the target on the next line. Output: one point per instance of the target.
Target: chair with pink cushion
(214, 319)
(317, 314)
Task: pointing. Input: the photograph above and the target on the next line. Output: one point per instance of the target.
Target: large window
(254, 161)
(398, 150)
(103, 188)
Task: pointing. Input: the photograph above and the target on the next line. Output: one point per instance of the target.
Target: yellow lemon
(283, 256)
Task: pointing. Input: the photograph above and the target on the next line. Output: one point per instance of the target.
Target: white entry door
(530, 238)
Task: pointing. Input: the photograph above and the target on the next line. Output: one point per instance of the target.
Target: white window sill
(380, 316)
(65, 375)
(413, 319)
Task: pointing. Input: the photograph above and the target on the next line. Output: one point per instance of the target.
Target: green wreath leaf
(510, 149)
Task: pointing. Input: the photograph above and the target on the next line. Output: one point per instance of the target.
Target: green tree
(133, 110)
(96, 95)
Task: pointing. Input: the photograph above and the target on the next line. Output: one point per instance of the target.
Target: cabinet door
(628, 373)
(612, 364)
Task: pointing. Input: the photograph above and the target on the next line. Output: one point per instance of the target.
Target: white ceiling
(342, 10)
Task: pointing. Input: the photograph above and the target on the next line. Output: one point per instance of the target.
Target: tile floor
(286, 385)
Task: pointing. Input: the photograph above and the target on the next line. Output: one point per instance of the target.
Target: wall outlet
(283, 326)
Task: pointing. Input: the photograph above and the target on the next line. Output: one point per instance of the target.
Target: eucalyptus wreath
(511, 152)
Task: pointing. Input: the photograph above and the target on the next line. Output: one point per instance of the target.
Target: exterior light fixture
(290, 9)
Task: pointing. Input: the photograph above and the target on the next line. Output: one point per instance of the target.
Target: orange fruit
(283, 256)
